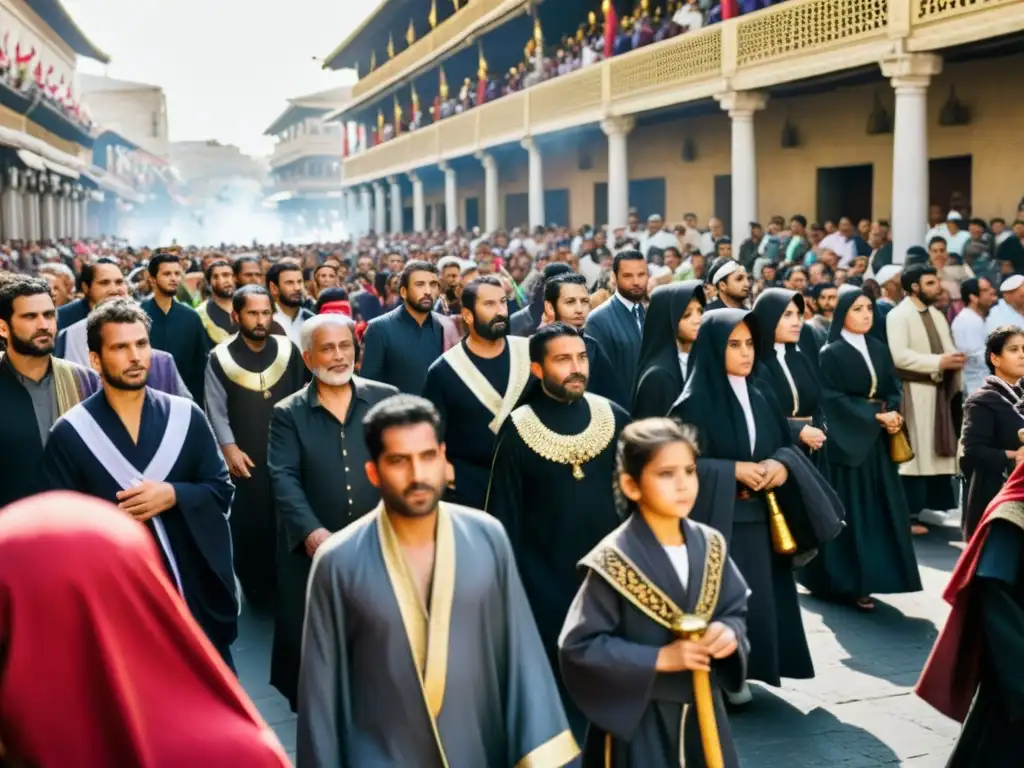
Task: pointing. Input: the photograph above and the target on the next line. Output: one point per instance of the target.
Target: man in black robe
(154, 456)
(315, 457)
(285, 283)
(176, 328)
(36, 388)
(100, 279)
(567, 300)
(618, 323)
(245, 379)
(216, 311)
(551, 480)
(475, 385)
(732, 283)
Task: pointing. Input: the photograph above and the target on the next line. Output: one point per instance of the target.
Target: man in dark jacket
(316, 457)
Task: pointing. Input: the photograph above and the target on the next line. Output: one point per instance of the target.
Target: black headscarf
(658, 345)
(847, 295)
(768, 309)
(708, 401)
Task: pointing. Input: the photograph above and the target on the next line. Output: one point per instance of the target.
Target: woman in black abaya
(747, 449)
(670, 328)
(788, 368)
(861, 399)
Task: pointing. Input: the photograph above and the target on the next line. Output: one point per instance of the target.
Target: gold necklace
(574, 450)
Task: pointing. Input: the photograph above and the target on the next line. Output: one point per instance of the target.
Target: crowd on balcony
(17, 73)
(595, 40)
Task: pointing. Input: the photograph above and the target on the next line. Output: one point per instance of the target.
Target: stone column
(451, 198)
(380, 210)
(617, 129)
(492, 200)
(741, 106)
(9, 205)
(365, 208)
(83, 215)
(419, 208)
(536, 184)
(910, 75)
(396, 205)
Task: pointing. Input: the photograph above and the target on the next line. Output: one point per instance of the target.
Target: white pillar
(9, 203)
(45, 216)
(365, 209)
(380, 210)
(419, 208)
(83, 215)
(617, 129)
(59, 220)
(536, 184)
(396, 205)
(492, 204)
(910, 76)
(451, 198)
(741, 106)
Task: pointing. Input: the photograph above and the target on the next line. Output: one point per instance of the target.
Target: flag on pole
(481, 72)
(443, 90)
(398, 116)
(729, 9)
(415, 103)
(344, 140)
(432, 18)
(391, 46)
(373, 60)
(380, 124)
(410, 34)
(611, 27)
(456, 4)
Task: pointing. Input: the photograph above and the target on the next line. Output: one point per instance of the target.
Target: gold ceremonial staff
(693, 628)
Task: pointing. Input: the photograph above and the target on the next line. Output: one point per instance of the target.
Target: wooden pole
(693, 628)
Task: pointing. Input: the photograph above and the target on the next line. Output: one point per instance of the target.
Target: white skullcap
(954, 216)
(887, 273)
(1012, 283)
(723, 270)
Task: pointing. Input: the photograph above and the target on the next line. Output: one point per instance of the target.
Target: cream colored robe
(908, 345)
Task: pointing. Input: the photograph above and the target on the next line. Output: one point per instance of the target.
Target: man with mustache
(618, 324)
(550, 480)
(246, 377)
(316, 457)
(475, 385)
(35, 387)
(284, 280)
(467, 679)
(216, 311)
(155, 457)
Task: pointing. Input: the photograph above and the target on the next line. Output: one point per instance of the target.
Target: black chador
(723, 408)
(551, 488)
(242, 388)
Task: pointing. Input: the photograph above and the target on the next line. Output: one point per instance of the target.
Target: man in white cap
(1010, 309)
(958, 237)
(656, 236)
(732, 282)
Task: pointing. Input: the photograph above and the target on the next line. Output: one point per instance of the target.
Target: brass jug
(899, 448)
(782, 538)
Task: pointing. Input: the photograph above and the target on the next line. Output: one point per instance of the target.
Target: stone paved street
(858, 712)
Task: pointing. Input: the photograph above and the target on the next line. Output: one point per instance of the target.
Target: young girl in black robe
(746, 450)
(861, 399)
(620, 659)
(670, 328)
(789, 369)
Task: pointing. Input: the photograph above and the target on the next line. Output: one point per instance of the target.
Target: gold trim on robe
(499, 405)
(217, 334)
(553, 753)
(261, 381)
(427, 631)
(574, 450)
(65, 385)
(615, 567)
(1011, 512)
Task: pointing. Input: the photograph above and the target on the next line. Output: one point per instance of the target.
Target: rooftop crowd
(409, 451)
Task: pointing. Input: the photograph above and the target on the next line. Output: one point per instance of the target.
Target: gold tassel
(782, 538)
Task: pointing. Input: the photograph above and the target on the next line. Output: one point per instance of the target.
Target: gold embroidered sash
(261, 381)
(65, 385)
(574, 450)
(428, 632)
(623, 575)
(518, 377)
(217, 334)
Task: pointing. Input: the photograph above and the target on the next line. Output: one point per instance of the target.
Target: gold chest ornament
(574, 450)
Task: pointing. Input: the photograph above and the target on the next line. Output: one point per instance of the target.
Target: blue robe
(195, 529)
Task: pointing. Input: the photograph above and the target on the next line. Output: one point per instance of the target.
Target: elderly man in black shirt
(399, 347)
(316, 457)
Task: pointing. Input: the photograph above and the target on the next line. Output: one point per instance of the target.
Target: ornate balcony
(795, 40)
(307, 145)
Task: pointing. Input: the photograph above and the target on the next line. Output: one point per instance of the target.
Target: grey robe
(609, 648)
(486, 696)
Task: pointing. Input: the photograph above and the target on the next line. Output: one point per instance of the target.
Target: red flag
(729, 9)
(344, 140)
(481, 90)
(611, 28)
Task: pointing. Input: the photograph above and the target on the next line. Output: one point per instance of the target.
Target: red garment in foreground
(953, 670)
(103, 665)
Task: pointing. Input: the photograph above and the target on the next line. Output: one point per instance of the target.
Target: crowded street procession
(383, 456)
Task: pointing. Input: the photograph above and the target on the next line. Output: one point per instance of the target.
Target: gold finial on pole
(692, 628)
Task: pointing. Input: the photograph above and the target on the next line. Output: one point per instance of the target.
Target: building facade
(305, 166)
(136, 111)
(868, 108)
(48, 183)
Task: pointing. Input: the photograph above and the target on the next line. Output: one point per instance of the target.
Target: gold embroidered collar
(574, 450)
(261, 381)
